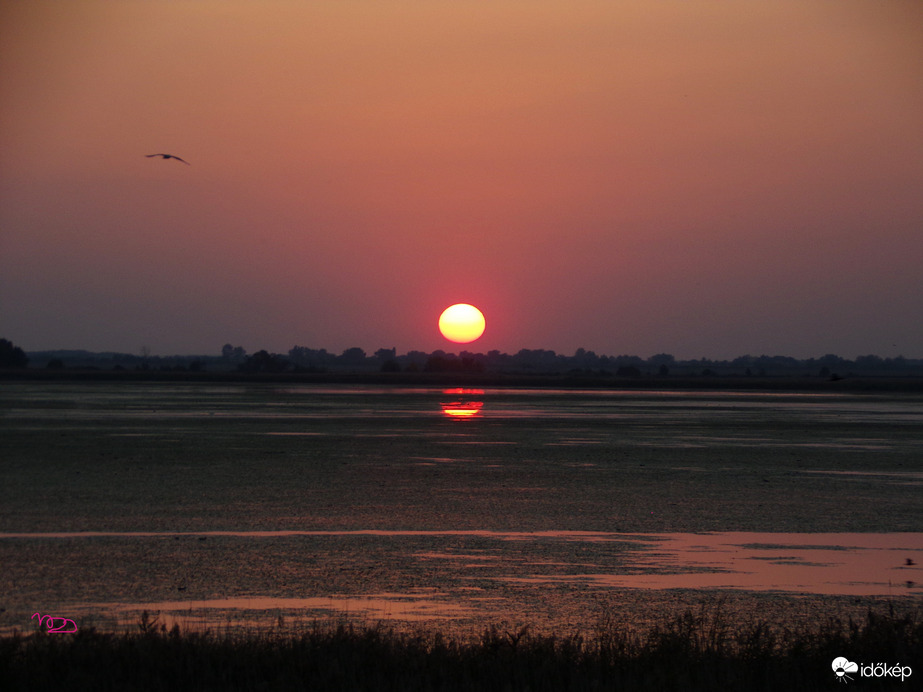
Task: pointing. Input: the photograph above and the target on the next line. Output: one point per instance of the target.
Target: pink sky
(699, 178)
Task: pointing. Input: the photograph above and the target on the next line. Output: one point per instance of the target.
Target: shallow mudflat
(237, 504)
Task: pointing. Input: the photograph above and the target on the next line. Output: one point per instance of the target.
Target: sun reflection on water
(462, 406)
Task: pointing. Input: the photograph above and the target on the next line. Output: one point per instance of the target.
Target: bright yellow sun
(461, 323)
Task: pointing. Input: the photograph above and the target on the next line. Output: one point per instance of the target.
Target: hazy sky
(630, 177)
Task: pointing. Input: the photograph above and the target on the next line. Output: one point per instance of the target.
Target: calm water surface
(422, 503)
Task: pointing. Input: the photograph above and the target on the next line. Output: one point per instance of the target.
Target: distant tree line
(301, 359)
(12, 356)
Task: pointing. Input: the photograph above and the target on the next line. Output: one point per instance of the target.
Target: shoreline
(564, 381)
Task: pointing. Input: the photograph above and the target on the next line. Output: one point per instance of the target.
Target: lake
(228, 504)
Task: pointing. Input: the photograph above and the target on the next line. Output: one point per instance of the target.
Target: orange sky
(699, 178)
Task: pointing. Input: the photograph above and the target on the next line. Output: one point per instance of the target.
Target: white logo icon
(841, 666)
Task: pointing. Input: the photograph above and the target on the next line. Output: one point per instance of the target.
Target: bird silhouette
(168, 156)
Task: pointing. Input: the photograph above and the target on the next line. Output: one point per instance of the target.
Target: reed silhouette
(696, 651)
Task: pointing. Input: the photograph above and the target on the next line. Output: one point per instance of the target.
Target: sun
(461, 323)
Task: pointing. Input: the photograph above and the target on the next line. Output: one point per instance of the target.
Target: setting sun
(461, 323)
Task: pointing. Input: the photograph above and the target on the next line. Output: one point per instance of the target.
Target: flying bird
(168, 156)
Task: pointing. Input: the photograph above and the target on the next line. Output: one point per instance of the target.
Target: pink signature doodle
(52, 627)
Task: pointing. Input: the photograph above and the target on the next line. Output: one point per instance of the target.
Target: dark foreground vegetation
(696, 651)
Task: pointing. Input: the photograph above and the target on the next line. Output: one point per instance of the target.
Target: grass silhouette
(694, 651)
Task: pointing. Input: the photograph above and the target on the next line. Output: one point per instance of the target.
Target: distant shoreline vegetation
(418, 365)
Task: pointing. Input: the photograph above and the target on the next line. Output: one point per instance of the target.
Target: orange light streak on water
(462, 408)
(833, 563)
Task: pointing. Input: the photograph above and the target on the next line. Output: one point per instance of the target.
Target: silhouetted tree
(390, 365)
(12, 356)
(352, 357)
(832, 361)
(585, 359)
(233, 354)
(384, 354)
(388, 359)
(661, 359)
(263, 361)
(311, 360)
(539, 360)
(471, 364)
(870, 362)
(440, 361)
(626, 361)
